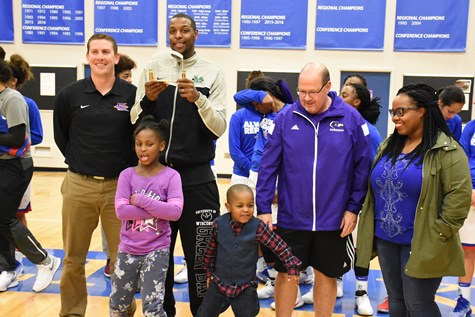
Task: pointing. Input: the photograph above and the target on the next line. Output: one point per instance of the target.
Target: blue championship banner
(350, 25)
(432, 26)
(6, 21)
(212, 17)
(273, 24)
(131, 23)
(53, 21)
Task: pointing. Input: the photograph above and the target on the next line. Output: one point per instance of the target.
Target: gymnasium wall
(233, 60)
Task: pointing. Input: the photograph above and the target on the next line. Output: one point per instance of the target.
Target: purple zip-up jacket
(322, 162)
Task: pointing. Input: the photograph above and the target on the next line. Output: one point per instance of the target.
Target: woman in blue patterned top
(418, 198)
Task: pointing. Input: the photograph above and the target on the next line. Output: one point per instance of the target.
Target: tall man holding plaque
(179, 86)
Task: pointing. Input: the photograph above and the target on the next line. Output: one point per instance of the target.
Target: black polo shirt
(93, 131)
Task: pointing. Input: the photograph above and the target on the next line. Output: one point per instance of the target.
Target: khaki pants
(85, 200)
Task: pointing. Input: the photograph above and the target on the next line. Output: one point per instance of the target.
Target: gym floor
(45, 223)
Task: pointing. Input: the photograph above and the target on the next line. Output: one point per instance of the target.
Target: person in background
(467, 236)
(358, 96)
(16, 170)
(371, 115)
(451, 100)
(268, 97)
(92, 129)
(236, 287)
(2, 53)
(148, 196)
(123, 69)
(355, 78)
(243, 129)
(22, 74)
(319, 151)
(195, 105)
(418, 198)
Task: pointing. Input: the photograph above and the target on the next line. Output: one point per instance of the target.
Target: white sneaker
(182, 276)
(8, 279)
(363, 305)
(267, 291)
(339, 287)
(307, 277)
(308, 297)
(46, 273)
(262, 275)
(261, 270)
(19, 262)
(298, 301)
(19, 256)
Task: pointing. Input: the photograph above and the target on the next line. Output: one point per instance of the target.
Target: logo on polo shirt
(122, 106)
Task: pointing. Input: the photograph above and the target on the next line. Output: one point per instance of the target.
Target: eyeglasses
(311, 94)
(399, 112)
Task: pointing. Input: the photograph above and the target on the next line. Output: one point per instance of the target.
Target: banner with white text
(132, 23)
(273, 24)
(354, 25)
(6, 21)
(212, 18)
(433, 26)
(53, 21)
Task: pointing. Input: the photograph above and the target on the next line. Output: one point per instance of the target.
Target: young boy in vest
(231, 256)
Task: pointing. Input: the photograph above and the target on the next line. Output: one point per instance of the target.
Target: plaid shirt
(263, 235)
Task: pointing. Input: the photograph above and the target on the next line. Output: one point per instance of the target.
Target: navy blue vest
(236, 256)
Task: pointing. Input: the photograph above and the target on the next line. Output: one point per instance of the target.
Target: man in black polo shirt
(93, 131)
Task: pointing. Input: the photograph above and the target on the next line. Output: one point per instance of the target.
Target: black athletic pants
(201, 208)
(15, 175)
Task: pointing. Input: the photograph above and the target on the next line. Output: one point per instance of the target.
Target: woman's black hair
(5, 72)
(253, 74)
(20, 69)
(278, 89)
(423, 96)
(162, 128)
(359, 76)
(450, 95)
(370, 109)
(2, 53)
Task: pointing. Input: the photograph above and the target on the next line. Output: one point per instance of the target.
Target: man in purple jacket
(319, 151)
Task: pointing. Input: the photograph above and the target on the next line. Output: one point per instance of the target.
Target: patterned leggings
(149, 271)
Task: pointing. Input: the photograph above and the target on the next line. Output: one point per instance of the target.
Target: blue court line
(99, 285)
